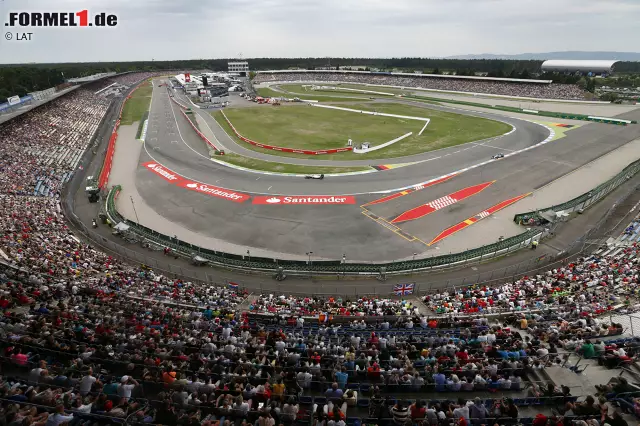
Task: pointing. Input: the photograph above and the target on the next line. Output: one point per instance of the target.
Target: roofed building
(585, 67)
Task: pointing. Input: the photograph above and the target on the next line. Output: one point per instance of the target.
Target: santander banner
(214, 191)
(202, 188)
(276, 200)
(163, 172)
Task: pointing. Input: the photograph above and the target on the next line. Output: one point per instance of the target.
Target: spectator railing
(585, 200)
(330, 267)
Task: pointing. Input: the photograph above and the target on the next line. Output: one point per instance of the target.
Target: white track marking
(457, 172)
(386, 191)
(180, 133)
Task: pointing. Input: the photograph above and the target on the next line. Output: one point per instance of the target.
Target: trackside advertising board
(202, 188)
(279, 200)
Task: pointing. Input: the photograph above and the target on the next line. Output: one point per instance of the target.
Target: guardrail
(585, 200)
(322, 267)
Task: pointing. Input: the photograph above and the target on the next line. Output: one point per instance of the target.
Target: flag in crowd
(233, 286)
(403, 289)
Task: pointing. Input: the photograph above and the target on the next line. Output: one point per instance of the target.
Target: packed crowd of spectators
(41, 148)
(129, 343)
(459, 84)
(85, 338)
(313, 306)
(590, 285)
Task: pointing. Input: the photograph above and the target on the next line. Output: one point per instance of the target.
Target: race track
(365, 234)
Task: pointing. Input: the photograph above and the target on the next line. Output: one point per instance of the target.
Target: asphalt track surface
(330, 231)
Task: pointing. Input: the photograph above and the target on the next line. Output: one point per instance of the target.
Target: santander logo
(165, 173)
(176, 179)
(304, 199)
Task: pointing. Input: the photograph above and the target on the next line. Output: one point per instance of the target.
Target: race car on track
(314, 176)
(497, 156)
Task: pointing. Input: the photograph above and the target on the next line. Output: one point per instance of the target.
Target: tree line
(21, 79)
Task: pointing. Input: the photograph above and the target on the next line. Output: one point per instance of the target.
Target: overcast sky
(186, 29)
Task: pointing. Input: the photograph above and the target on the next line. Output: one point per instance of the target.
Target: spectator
(334, 391)
(400, 413)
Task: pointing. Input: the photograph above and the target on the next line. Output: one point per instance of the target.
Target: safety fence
(563, 115)
(585, 200)
(330, 267)
(284, 149)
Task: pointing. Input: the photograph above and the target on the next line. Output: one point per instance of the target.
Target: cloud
(164, 29)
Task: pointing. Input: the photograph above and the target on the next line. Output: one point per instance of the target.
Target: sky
(192, 29)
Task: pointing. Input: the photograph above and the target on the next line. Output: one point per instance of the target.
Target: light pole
(309, 263)
(344, 265)
(249, 255)
(413, 263)
(134, 209)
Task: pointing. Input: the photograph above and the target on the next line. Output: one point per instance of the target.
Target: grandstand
(543, 89)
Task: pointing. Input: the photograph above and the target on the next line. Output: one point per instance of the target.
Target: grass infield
(306, 89)
(138, 104)
(270, 93)
(306, 127)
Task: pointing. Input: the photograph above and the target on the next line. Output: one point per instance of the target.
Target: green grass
(307, 92)
(269, 93)
(305, 127)
(395, 91)
(270, 166)
(137, 105)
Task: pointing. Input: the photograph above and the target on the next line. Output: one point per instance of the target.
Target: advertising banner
(214, 191)
(304, 199)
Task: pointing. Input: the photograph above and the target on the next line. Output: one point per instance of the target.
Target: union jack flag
(403, 289)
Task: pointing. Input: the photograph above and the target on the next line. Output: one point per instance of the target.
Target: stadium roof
(597, 66)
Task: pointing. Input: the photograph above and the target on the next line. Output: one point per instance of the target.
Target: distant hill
(620, 56)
